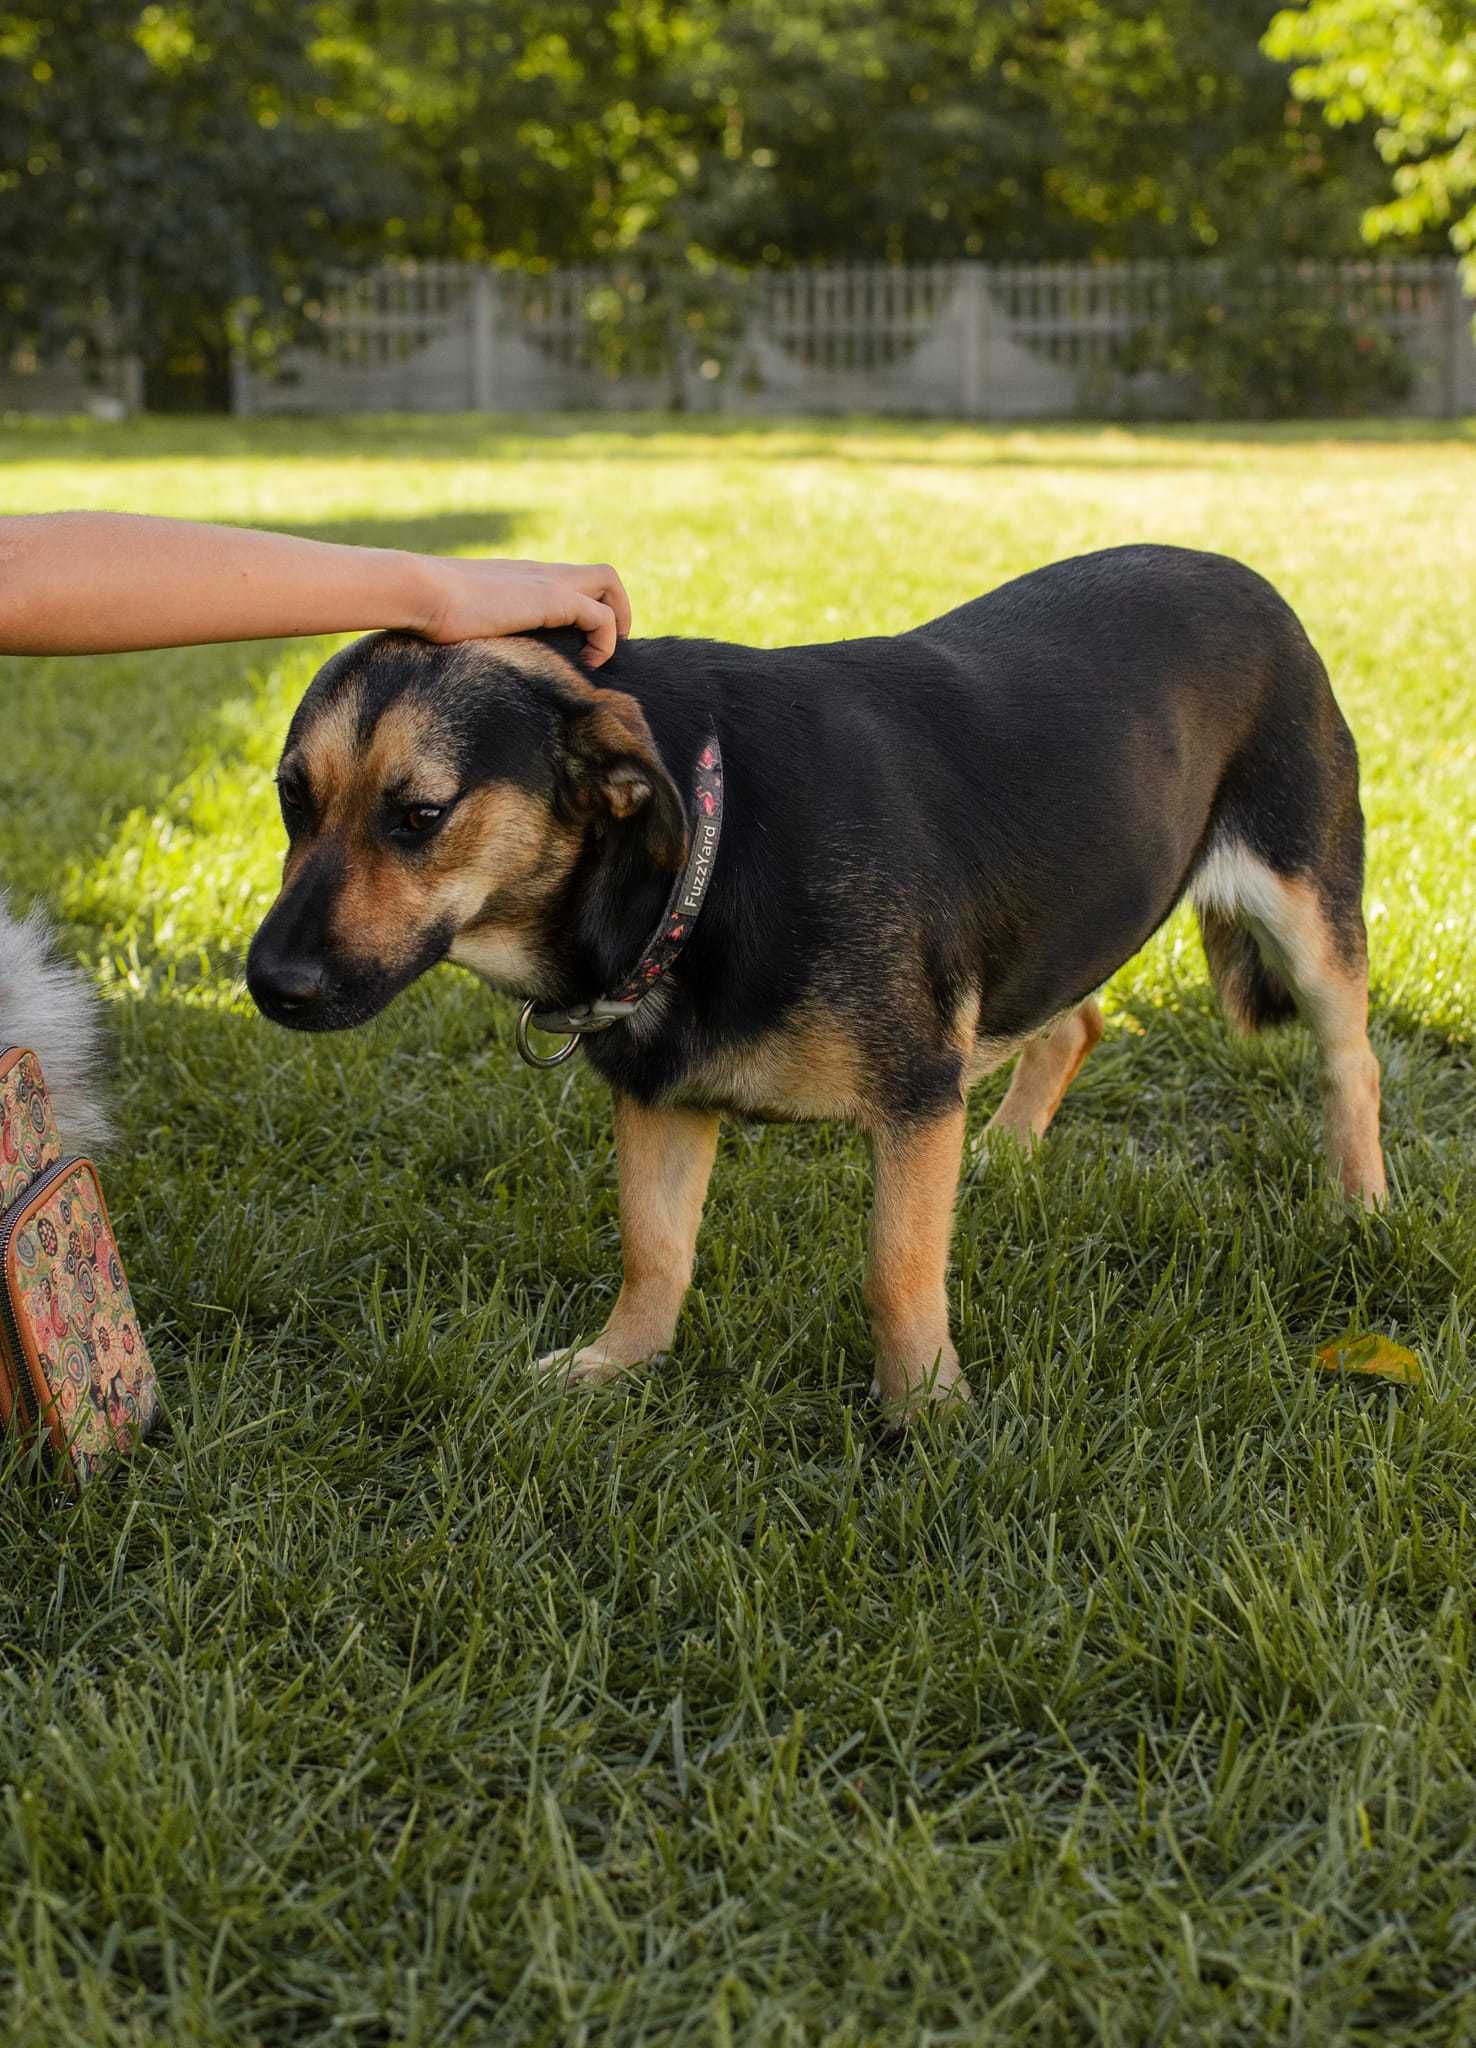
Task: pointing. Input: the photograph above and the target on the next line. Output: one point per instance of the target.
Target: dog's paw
(1002, 1136)
(591, 1365)
(942, 1386)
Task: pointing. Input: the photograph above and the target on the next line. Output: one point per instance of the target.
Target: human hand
(476, 600)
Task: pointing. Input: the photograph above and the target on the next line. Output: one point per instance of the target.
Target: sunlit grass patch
(398, 1696)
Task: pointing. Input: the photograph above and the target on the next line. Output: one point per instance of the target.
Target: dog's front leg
(917, 1169)
(664, 1158)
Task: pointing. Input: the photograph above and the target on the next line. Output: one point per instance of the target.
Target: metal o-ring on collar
(542, 1059)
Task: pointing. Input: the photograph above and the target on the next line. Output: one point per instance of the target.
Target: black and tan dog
(934, 849)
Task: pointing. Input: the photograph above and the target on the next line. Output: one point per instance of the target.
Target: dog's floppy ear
(609, 769)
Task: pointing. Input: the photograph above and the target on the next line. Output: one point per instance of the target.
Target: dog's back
(1010, 799)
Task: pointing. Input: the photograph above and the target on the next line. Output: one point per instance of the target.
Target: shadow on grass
(476, 530)
(278, 1178)
(1180, 1080)
(1195, 1007)
(678, 437)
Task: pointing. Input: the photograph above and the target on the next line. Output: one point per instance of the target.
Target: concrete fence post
(972, 370)
(1463, 341)
(482, 310)
(1457, 340)
(131, 384)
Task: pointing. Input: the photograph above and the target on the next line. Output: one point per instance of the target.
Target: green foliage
(1411, 65)
(174, 177)
(1252, 344)
(395, 1696)
(1067, 129)
(184, 173)
(764, 132)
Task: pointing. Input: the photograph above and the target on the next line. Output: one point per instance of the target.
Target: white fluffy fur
(1232, 879)
(52, 1008)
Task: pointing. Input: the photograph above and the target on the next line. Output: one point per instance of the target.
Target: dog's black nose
(284, 987)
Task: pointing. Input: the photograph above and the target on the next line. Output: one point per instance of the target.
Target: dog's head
(437, 801)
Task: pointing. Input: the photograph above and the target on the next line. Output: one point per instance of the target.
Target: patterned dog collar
(667, 941)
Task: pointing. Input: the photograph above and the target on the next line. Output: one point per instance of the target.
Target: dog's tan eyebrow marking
(328, 746)
(403, 747)
(427, 783)
(401, 755)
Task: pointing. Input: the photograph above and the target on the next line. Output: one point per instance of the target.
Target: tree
(176, 178)
(1053, 128)
(528, 131)
(1411, 65)
(751, 131)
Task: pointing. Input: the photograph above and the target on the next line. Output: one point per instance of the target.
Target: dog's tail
(1253, 995)
(51, 1007)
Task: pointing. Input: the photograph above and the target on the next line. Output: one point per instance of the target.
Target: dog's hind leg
(664, 1158)
(1044, 1071)
(1277, 942)
(917, 1169)
(1325, 965)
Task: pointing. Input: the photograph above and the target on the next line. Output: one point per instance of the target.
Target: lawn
(397, 1696)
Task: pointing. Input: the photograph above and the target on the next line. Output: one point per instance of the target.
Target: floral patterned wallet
(73, 1362)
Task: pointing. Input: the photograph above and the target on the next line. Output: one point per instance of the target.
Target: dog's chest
(809, 1069)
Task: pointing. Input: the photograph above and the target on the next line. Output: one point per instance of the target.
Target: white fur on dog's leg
(941, 1385)
(53, 1009)
(589, 1364)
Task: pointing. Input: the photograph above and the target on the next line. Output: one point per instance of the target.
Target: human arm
(110, 582)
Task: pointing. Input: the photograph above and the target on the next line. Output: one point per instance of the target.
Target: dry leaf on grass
(1366, 1351)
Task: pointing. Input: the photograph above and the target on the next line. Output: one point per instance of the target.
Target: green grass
(394, 1696)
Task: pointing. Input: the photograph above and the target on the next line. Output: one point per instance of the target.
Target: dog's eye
(416, 820)
(293, 805)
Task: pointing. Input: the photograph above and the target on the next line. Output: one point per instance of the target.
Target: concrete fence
(955, 340)
(968, 340)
